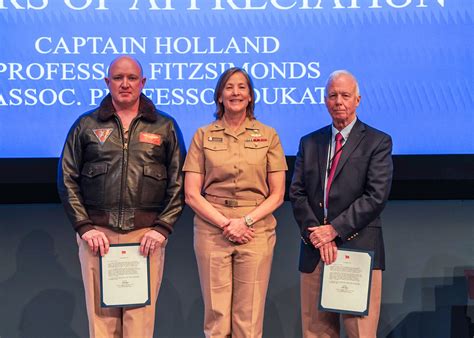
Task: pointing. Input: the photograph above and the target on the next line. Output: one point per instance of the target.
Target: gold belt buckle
(231, 203)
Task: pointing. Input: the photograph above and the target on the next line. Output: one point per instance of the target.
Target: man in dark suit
(341, 182)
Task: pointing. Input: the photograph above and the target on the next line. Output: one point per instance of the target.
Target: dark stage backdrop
(425, 292)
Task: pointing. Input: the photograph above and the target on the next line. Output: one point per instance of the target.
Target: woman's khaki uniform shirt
(235, 164)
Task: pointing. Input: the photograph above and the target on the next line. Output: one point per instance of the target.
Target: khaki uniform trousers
(119, 321)
(320, 324)
(234, 278)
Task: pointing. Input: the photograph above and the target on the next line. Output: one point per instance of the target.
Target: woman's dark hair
(220, 88)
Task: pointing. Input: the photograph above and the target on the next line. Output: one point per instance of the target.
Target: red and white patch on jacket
(150, 138)
(103, 134)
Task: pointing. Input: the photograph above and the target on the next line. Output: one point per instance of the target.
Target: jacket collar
(146, 109)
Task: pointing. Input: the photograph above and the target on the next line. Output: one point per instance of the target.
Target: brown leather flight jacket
(108, 180)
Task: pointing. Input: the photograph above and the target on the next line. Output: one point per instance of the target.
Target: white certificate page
(345, 284)
(124, 276)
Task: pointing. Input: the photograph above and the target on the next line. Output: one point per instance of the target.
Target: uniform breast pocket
(256, 153)
(93, 176)
(154, 184)
(216, 154)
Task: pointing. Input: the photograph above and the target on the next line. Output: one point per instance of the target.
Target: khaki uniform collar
(246, 125)
(251, 124)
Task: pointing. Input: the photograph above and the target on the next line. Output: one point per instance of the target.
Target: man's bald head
(114, 61)
(125, 82)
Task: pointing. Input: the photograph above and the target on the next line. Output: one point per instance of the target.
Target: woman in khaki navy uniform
(235, 179)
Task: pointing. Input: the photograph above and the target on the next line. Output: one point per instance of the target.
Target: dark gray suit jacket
(358, 194)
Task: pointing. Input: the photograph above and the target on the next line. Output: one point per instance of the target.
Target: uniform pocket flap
(215, 146)
(256, 145)
(158, 172)
(94, 169)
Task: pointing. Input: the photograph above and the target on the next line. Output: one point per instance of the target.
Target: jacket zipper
(124, 176)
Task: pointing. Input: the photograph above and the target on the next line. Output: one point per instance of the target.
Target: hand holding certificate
(124, 276)
(345, 285)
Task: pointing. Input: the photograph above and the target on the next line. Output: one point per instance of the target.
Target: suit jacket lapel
(324, 138)
(356, 135)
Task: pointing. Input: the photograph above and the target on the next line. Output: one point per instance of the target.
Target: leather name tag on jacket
(150, 138)
(103, 134)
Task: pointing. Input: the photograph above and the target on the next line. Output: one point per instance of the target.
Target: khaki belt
(233, 202)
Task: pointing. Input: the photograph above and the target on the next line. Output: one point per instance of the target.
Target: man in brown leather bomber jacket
(120, 181)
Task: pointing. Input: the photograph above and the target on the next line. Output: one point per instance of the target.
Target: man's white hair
(338, 73)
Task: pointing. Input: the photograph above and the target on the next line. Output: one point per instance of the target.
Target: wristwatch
(249, 221)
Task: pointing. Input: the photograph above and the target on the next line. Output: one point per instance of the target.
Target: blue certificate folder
(131, 281)
(348, 281)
